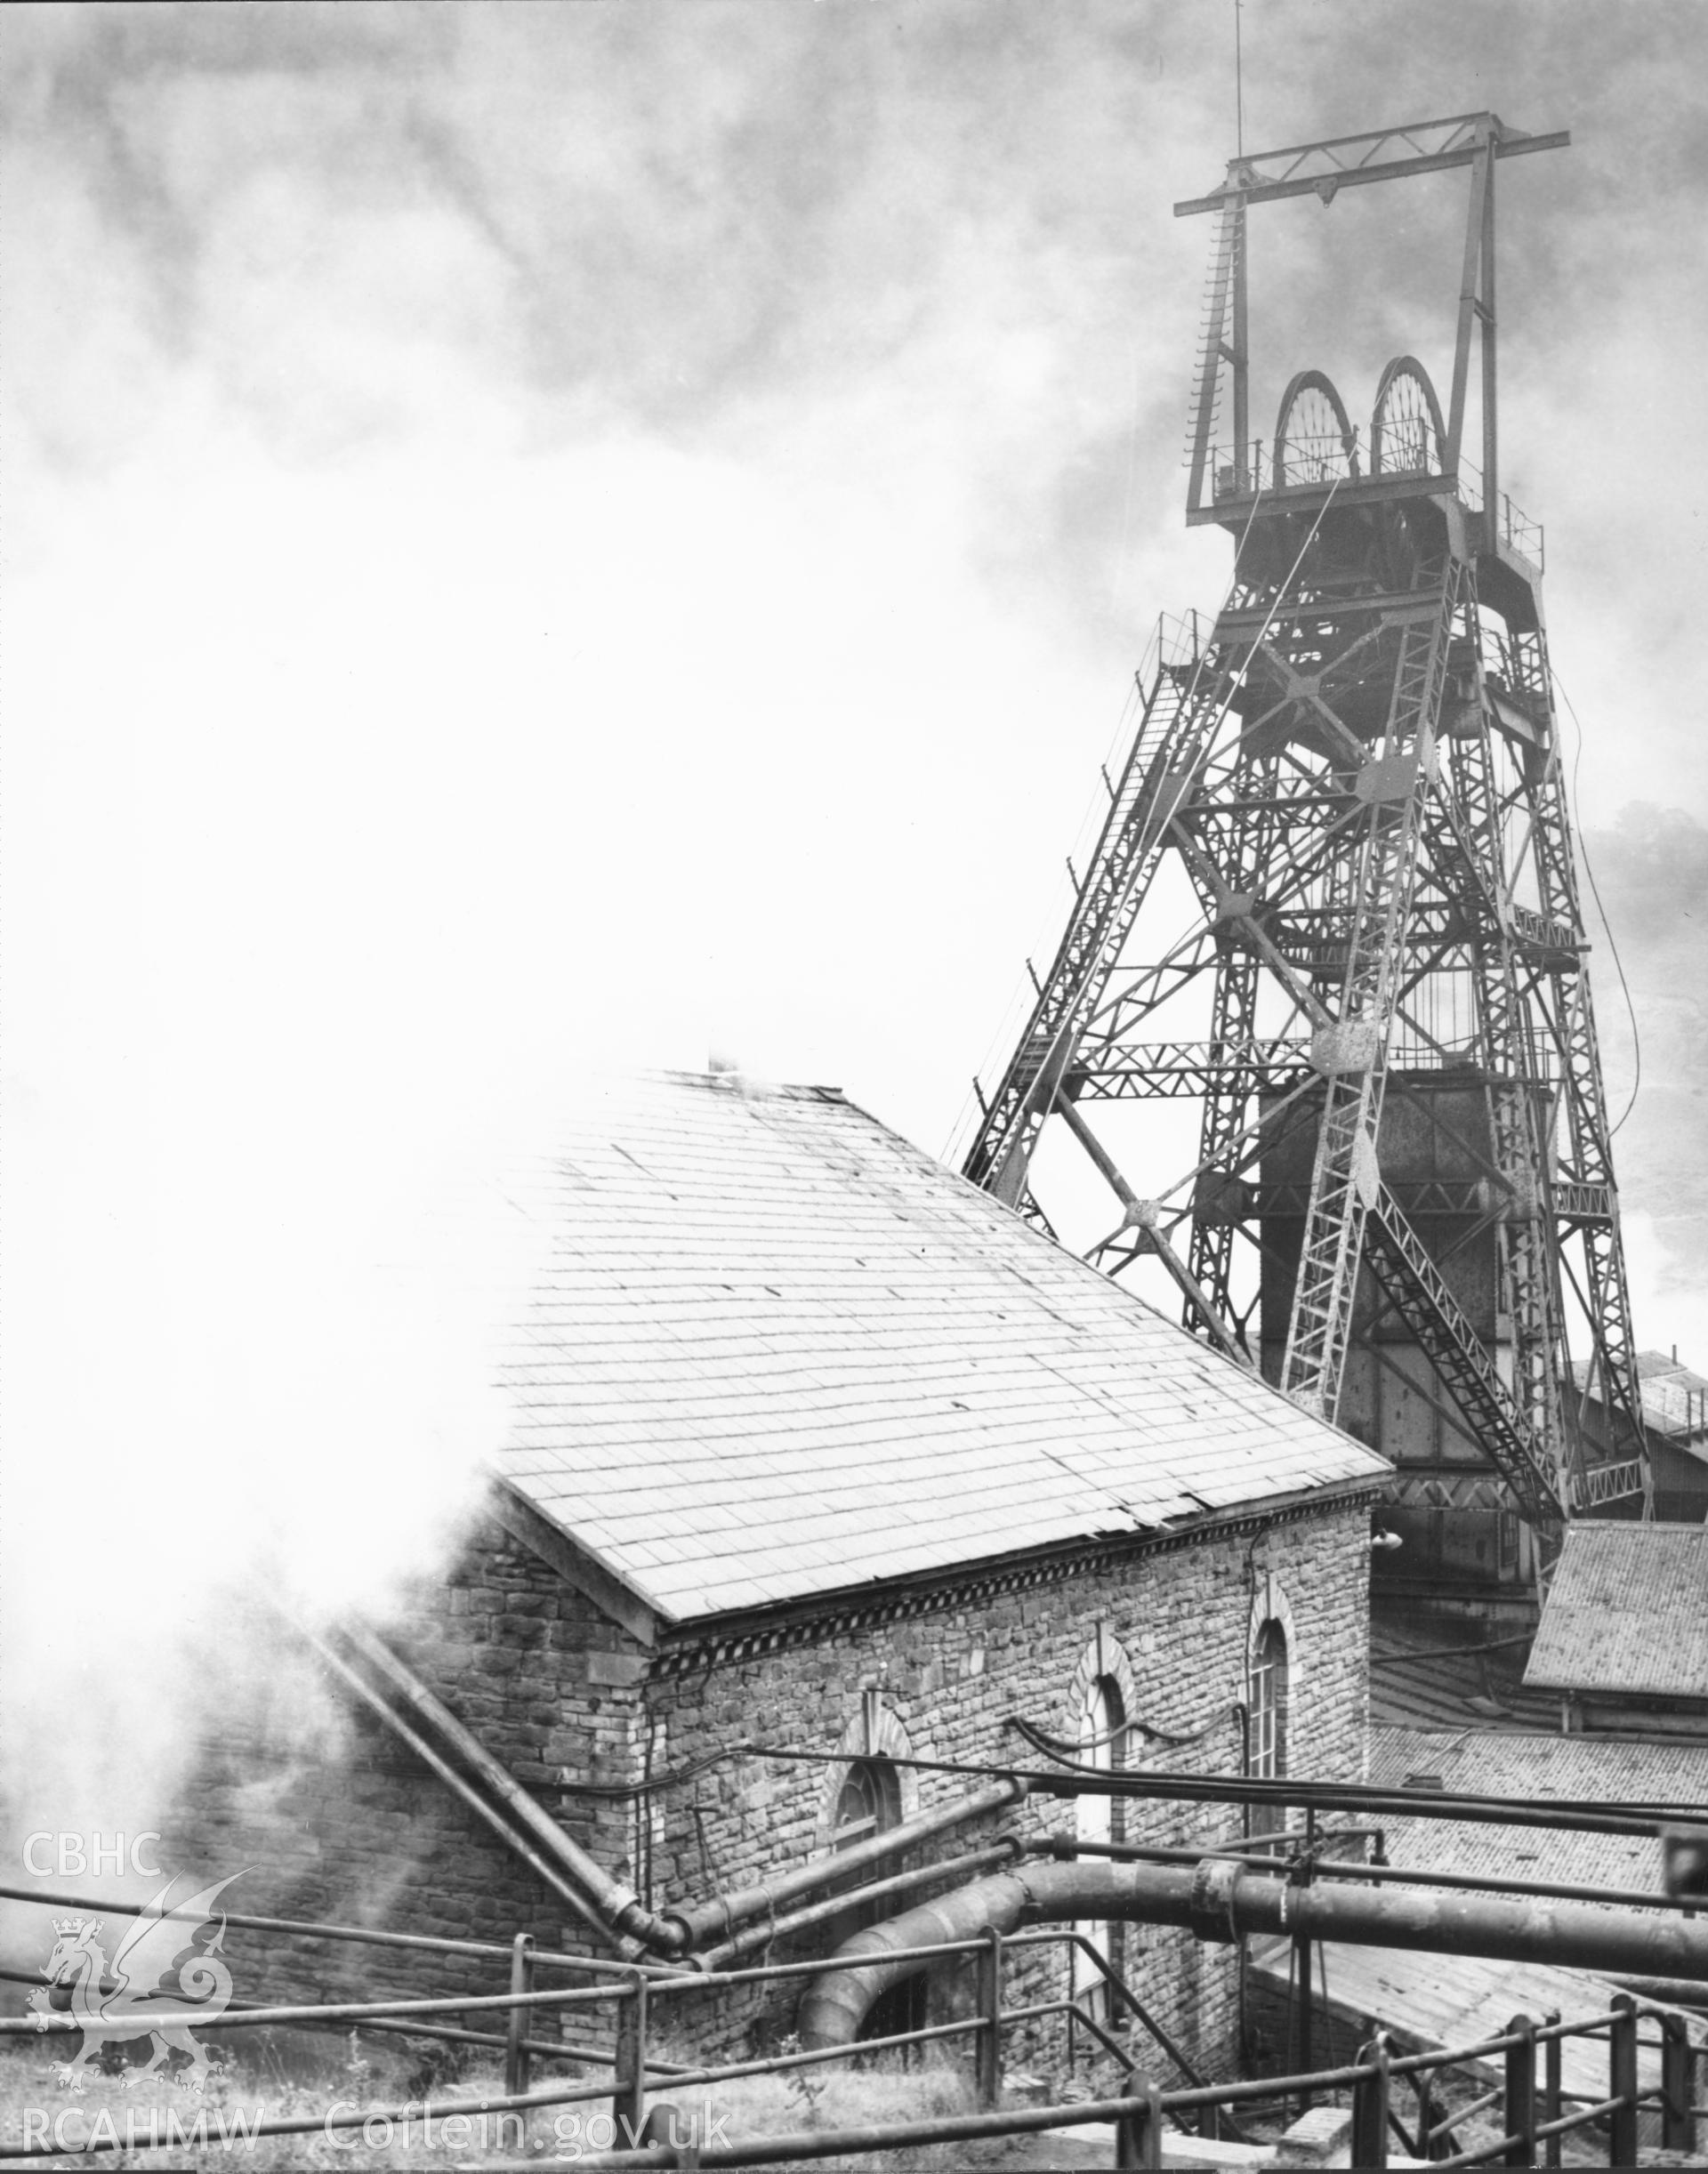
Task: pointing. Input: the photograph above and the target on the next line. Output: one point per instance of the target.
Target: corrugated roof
(1426, 2006)
(1674, 1399)
(1486, 1763)
(1627, 1610)
(1431, 1673)
(776, 1350)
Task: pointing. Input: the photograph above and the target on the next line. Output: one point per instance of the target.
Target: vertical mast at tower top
(1403, 1205)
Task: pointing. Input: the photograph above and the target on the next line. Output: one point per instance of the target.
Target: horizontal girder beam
(1385, 155)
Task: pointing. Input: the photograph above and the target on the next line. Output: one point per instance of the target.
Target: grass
(210, 2130)
(278, 2082)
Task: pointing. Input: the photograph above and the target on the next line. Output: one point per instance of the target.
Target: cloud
(1650, 900)
(541, 536)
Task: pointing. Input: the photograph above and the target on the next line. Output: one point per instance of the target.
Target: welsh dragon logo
(158, 1967)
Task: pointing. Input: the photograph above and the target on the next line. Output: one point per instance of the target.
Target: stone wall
(1175, 1623)
(338, 1821)
(334, 1820)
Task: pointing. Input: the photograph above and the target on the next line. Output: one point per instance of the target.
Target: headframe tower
(1372, 976)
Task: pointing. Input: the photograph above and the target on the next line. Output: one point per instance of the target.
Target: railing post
(516, 2063)
(1139, 2135)
(661, 2127)
(1423, 2084)
(1552, 2092)
(988, 2078)
(629, 2097)
(1301, 2009)
(1678, 2086)
(1622, 2082)
(1370, 2105)
(1519, 2104)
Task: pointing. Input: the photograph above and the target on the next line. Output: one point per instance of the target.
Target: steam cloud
(541, 537)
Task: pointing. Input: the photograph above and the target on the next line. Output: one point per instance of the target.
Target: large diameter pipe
(698, 1922)
(769, 1929)
(1222, 1901)
(616, 1909)
(551, 1874)
(613, 1909)
(837, 2003)
(619, 1907)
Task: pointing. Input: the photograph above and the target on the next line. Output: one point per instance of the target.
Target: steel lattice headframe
(1357, 770)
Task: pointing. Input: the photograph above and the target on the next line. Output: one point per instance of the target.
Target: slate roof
(777, 1351)
(1487, 1763)
(1627, 1610)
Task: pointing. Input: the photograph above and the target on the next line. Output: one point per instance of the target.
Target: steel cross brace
(1345, 1178)
(1591, 1153)
(1420, 1295)
(1167, 751)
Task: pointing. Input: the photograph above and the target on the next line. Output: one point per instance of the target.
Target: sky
(542, 539)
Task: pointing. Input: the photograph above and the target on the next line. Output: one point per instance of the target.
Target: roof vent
(1427, 1781)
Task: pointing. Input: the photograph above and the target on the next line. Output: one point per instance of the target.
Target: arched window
(868, 1804)
(1267, 1699)
(1101, 1745)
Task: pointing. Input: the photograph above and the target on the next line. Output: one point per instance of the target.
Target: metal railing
(632, 1996)
(1177, 640)
(1304, 461)
(1513, 526)
(1307, 463)
(638, 1998)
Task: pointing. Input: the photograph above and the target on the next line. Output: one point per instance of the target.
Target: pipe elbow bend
(838, 2002)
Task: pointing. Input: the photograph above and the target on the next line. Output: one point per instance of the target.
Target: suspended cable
(1595, 892)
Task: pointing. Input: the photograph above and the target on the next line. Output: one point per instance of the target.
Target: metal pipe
(1635, 1898)
(1677, 1993)
(1566, 1814)
(615, 1909)
(618, 1909)
(1221, 1901)
(787, 2147)
(1560, 1814)
(836, 2006)
(815, 1913)
(699, 1921)
(330, 2011)
(552, 1875)
(364, 1935)
(557, 2049)
(1064, 1845)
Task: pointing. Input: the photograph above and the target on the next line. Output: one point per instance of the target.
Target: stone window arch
(1105, 1658)
(1101, 1697)
(866, 1774)
(1272, 1673)
(867, 1793)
